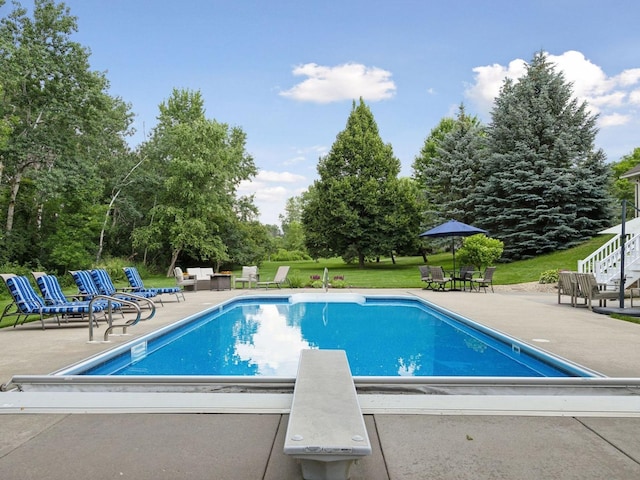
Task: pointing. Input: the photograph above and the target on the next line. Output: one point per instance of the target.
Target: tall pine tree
(452, 174)
(545, 185)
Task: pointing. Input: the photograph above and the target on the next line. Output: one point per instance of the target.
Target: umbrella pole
(453, 249)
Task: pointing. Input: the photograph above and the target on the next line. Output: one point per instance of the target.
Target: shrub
(289, 256)
(480, 251)
(295, 280)
(549, 276)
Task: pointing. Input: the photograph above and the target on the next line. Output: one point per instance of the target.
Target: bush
(480, 251)
(289, 256)
(295, 280)
(549, 276)
(114, 267)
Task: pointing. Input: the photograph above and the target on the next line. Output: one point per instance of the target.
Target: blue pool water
(382, 337)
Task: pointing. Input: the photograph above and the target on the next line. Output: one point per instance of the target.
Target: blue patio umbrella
(452, 228)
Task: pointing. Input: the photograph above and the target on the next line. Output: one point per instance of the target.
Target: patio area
(498, 438)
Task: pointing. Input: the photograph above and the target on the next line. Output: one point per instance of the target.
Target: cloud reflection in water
(275, 346)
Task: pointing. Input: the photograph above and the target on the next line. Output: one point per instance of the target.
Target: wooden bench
(326, 430)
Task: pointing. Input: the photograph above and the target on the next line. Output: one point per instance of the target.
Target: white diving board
(326, 430)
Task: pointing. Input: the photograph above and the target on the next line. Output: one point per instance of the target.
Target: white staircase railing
(604, 263)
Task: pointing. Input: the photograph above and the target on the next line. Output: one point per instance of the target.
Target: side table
(220, 281)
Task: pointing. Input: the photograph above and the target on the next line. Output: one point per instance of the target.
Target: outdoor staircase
(604, 263)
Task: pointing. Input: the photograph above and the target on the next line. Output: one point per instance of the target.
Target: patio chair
(438, 279)
(425, 276)
(278, 279)
(27, 302)
(591, 290)
(137, 285)
(567, 286)
(485, 281)
(184, 280)
(249, 274)
(466, 275)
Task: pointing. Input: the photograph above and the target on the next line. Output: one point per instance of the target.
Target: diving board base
(326, 432)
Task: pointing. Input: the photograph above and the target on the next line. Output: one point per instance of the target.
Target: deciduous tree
(200, 164)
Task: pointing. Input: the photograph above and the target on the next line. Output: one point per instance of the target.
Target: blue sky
(286, 72)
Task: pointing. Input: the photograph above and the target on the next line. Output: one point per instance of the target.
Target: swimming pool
(384, 336)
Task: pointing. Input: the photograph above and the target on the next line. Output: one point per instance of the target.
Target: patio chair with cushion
(278, 280)
(184, 280)
(591, 290)
(137, 285)
(249, 274)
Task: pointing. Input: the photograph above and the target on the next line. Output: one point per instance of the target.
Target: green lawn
(386, 274)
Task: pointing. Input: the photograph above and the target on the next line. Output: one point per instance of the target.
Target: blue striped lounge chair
(137, 285)
(28, 302)
(105, 286)
(53, 295)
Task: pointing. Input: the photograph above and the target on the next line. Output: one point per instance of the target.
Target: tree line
(73, 192)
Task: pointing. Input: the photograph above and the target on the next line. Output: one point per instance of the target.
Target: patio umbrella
(452, 229)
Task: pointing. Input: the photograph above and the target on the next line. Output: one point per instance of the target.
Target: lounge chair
(278, 280)
(89, 288)
(27, 302)
(51, 290)
(568, 286)
(137, 285)
(485, 281)
(438, 280)
(249, 274)
(184, 280)
(591, 290)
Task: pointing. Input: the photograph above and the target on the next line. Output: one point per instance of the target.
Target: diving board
(326, 430)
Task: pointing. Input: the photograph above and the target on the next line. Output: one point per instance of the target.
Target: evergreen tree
(347, 210)
(545, 187)
(452, 174)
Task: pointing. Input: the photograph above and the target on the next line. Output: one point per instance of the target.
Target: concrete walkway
(246, 446)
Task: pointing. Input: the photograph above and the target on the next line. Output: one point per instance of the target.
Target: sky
(287, 72)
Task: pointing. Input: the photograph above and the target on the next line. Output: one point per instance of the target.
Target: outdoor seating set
(199, 278)
(96, 295)
(584, 286)
(436, 278)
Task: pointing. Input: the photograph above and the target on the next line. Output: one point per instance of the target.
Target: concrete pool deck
(249, 446)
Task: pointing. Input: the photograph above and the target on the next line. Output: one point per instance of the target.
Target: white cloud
(629, 77)
(614, 120)
(271, 191)
(609, 96)
(349, 81)
(266, 176)
(489, 80)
